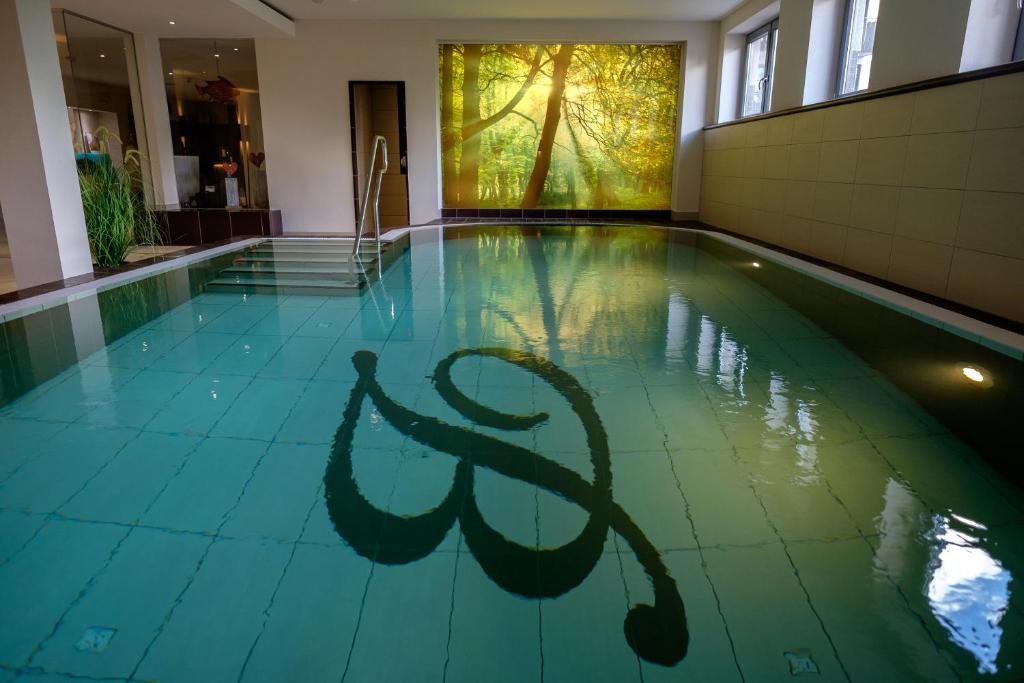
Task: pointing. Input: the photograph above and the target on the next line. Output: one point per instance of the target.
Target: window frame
(1018, 45)
(844, 43)
(770, 29)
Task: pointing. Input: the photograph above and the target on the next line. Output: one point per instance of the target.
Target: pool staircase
(304, 266)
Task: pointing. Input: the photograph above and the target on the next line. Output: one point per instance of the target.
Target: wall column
(160, 146)
(39, 191)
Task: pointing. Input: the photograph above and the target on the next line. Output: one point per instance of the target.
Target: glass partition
(216, 126)
(101, 88)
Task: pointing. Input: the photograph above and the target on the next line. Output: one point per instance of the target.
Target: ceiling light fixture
(171, 23)
(756, 264)
(217, 55)
(103, 56)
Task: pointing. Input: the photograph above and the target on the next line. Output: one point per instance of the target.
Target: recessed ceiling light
(236, 49)
(170, 73)
(102, 56)
(974, 374)
(216, 55)
(171, 23)
(756, 264)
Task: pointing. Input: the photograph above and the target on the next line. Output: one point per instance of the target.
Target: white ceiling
(679, 10)
(230, 19)
(192, 18)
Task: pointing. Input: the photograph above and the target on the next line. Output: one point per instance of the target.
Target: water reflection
(968, 589)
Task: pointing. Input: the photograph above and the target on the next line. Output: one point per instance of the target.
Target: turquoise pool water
(562, 455)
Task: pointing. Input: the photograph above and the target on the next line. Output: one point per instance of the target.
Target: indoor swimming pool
(521, 454)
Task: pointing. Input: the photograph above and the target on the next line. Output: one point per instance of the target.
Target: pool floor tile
(280, 495)
(209, 485)
(228, 596)
(260, 409)
(764, 624)
(131, 482)
(132, 596)
(63, 557)
(876, 635)
(495, 635)
(308, 633)
(200, 405)
(403, 629)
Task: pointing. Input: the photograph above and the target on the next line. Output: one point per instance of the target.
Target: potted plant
(116, 215)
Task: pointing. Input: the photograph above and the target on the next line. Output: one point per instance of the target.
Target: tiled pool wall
(923, 189)
(40, 345)
(921, 359)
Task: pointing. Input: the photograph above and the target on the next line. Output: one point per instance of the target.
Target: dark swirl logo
(655, 632)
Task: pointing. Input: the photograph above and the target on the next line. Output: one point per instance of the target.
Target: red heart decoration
(257, 159)
(230, 168)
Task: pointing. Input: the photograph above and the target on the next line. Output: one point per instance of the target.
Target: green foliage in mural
(558, 126)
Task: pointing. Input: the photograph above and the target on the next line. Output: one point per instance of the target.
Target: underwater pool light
(972, 373)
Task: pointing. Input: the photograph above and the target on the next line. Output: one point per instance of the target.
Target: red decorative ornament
(257, 159)
(230, 168)
(221, 90)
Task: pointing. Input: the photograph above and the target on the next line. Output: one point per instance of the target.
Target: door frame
(403, 140)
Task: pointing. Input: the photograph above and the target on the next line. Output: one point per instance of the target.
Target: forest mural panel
(558, 126)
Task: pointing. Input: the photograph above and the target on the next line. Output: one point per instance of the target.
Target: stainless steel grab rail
(372, 188)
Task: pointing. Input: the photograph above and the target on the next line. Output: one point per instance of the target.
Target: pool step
(300, 266)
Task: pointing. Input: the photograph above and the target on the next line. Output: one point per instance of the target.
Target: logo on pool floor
(657, 632)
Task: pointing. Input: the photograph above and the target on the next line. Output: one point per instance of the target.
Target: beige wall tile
(776, 160)
(757, 133)
(735, 137)
(771, 230)
(940, 160)
(780, 130)
(796, 234)
(803, 161)
(751, 192)
(713, 139)
(800, 198)
(929, 215)
(991, 283)
(712, 162)
(923, 266)
(774, 195)
(832, 202)
(838, 161)
(881, 161)
(732, 162)
(1002, 102)
(874, 207)
(731, 189)
(992, 222)
(843, 122)
(947, 109)
(888, 116)
(828, 241)
(807, 126)
(997, 162)
(867, 252)
(753, 162)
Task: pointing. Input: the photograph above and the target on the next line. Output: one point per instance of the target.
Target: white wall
(304, 96)
(991, 34)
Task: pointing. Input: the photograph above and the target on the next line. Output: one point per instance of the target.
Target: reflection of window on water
(969, 590)
(216, 122)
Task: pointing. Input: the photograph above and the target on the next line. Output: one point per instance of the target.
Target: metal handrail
(378, 142)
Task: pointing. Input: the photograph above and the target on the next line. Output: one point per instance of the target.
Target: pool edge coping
(41, 302)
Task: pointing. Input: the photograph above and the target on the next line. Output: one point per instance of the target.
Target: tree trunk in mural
(469, 166)
(449, 136)
(552, 115)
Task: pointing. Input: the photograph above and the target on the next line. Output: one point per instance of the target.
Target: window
(858, 41)
(758, 69)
